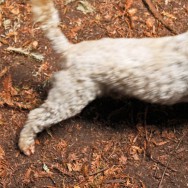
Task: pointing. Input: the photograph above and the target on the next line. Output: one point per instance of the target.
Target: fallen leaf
(134, 151)
(123, 160)
(76, 167)
(3, 41)
(15, 11)
(168, 15)
(69, 1)
(85, 169)
(150, 22)
(2, 1)
(85, 7)
(3, 72)
(42, 174)
(27, 176)
(35, 44)
(128, 4)
(3, 168)
(132, 11)
(163, 158)
(45, 168)
(61, 145)
(166, 2)
(69, 166)
(7, 87)
(7, 24)
(72, 157)
(2, 153)
(135, 157)
(169, 135)
(137, 149)
(159, 143)
(61, 170)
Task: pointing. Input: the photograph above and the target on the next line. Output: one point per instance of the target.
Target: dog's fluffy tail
(45, 12)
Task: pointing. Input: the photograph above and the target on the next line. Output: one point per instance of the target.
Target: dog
(154, 70)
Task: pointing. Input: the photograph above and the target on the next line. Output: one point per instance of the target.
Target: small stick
(164, 165)
(153, 10)
(25, 52)
(102, 170)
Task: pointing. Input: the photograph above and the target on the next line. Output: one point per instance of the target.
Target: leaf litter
(98, 154)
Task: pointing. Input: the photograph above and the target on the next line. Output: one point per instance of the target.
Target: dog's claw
(28, 150)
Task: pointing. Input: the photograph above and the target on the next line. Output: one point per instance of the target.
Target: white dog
(152, 70)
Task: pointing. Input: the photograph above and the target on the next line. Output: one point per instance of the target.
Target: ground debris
(25, 52)
(85, 7)
(158, 15)
(112, 143)
(15, 98)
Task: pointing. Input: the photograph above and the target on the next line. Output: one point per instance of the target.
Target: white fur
(152, 70)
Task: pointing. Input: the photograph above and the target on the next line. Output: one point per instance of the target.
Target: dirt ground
(112, 143)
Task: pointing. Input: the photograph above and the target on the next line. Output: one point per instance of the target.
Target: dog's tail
(45, 12)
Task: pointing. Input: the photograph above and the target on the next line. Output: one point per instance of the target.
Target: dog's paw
(27, 148)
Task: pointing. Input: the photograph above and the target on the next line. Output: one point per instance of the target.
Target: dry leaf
(69, 1)
(3, 72)
(159, 143)
(85, 169)
(3, 168)
(27, 176)
(168, 15)
(123, 160)
(2, 153)
(7, 87)
(135, 157)
(150, 22)
(4, 41)
(163, 158)
(128, 4)
(45, 168)
(76, 167)
(2, 1)
(72, 157)
(85, 7)
(62, 144)
(166, 2)
(7, 24)
(132, 11)
(169, 135)
(15, 11)
(136, 149)
(35, 44)
(69, 166)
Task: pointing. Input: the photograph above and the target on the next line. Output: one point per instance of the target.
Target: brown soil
(112, 143)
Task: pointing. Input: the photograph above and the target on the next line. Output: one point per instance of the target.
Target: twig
(102, 170)
(4, 71)
(25, 52)
(169, 159)
(115, 181)
(153, 10)
(164, 165)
